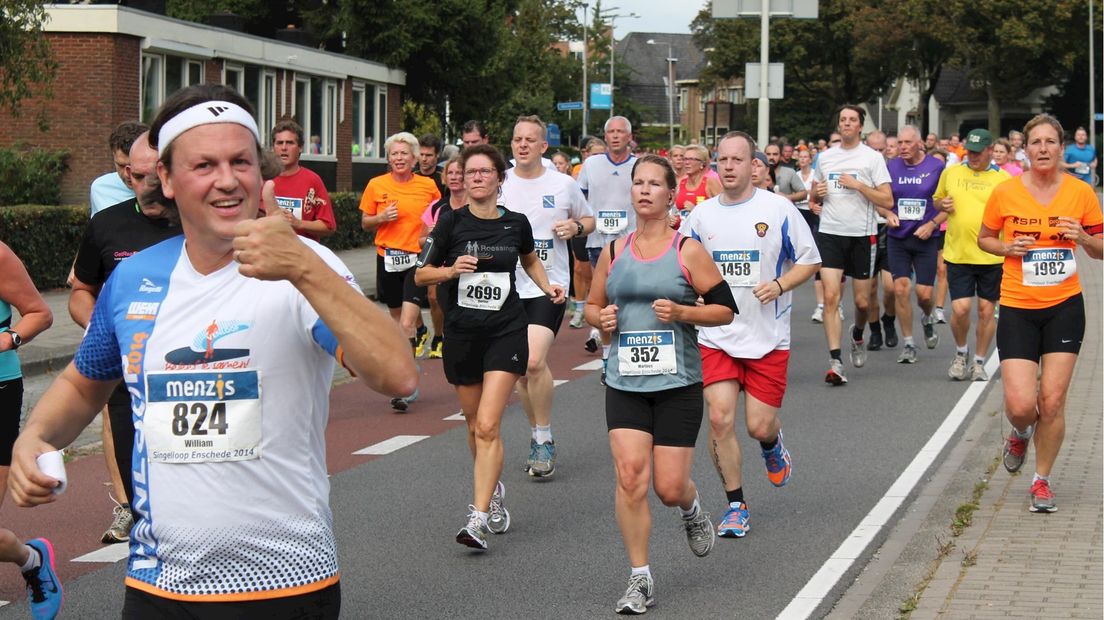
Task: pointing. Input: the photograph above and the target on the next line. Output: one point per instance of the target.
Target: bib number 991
(197, 420)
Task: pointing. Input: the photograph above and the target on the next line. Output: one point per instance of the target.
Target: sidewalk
(53, 349)
(1008, 562)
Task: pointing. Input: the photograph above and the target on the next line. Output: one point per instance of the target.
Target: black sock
(413, 343)
(875, 327)
(836, 354)
(767, 447)
(857, 333)
(735, 496)
(888, 320)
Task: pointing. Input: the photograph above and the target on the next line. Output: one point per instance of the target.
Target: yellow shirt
(970, 190)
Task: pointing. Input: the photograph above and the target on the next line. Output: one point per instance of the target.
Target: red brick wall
(96, 88)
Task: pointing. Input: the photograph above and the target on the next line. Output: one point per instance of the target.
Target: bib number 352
(646, 353)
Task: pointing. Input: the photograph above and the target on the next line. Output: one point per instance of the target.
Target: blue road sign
(563, 106)
(601, 96)
(553, 134)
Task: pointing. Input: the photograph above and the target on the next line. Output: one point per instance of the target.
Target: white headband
(205, 113)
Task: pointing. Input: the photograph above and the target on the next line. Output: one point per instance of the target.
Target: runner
(607, 184)
(1042, 311)
(1079, 158)
(557, 212)
(962, 193)
(562, 162)
(429, 155)
(393, 204)
(35, 558)
(850, 180)
(676, 155)
(811, 212)
(299, 191)
(471, 255)
(457, 196)
(764, 249)
(235, 522)
(913, 242)
(878, 141)
(787, 183)
(114, 187)
(645, 293)
(582, 269)
(696, 187)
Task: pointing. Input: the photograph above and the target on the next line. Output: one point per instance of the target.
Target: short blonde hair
(406, 138)
(700, 150)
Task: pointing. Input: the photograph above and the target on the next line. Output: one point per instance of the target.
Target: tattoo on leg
(717, 464)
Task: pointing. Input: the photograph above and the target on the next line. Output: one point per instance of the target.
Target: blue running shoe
(735, 522)
(779, 464)
(543, 459)
(43, 586)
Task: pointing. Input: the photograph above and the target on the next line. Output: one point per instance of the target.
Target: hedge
(46, 238)
(31, 176)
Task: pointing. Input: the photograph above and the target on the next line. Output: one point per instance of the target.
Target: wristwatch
(578, 228)
(17, 340)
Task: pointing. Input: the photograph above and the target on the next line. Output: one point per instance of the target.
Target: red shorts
(764, 378)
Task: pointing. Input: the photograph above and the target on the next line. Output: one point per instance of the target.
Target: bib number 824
(644, 355)
(489, 293)
(215, 420)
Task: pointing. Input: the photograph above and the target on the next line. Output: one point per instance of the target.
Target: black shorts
(881, 260)
(970, 280)
(541, 311)
(389, 285)
(11, 408)
(913, 254)
(465, 361)
(854, 255)
(579, 248)
(324, 604)
(1026, 334)
(672, 417)
(412, 293)
(942, 239)
(122, 434)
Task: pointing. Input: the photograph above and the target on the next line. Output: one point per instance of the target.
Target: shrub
(31, 176)
(45, 238)
(346, 206)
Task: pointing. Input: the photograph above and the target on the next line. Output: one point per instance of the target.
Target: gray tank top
(645, 354)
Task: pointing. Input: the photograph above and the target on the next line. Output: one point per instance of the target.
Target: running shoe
(699, 532)
(931, 339)
(602, 377)
(474, 534)
(577, 320)
(593, 341)
(542, 459)
(1015, 449)
(638, 597)
(939, 318)
(977, 372)
(1042, 499)
(779, 463)
(401, 404)
(437, 348)
(839, 309)
(421, 337)
(908, 355)
(959, 366)
(499, 520)
(818, 315)
(735, 523)
(43, 587)
(858, 349)
(890, 334)
(875, 341)
(121, 522)
(835, 374)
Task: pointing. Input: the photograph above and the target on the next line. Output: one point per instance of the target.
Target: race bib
(1047, 267)
(834, 182)
(293, 206)
(612, 222)
(203, 416)
(1082, 168)
(483, 291)
(740, 268)
(545, 251)
(646, 353)
(395, 261)
(911, 209)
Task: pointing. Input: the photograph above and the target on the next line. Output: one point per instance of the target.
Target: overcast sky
(655, 15)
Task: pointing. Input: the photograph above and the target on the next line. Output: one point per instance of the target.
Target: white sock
(821, 306)
(483, 516)
(1038, 478)
(34, 560)
(962, 350)
(694, 507)
(909, 342)
(641, 570)
(979, 360)
(542, 434)
(605, 351)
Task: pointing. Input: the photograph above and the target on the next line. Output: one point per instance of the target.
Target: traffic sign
(553, 134)
(775, 75)
(601, 96)
(564, 106)
(801, 9)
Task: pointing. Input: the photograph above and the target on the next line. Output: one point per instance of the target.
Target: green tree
(27, 66)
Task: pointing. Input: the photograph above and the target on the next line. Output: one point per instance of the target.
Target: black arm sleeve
(721, 295)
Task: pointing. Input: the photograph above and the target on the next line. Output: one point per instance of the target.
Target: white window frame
(266, 114)
(188, 63)
(375, 125)
(240, 68)
(329, 119)
(159, 95)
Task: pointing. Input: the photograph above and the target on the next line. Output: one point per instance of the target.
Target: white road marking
(818, 587)
(456, 417)
(388, 446)
(108, 554)
(558, 382)
(591, 365)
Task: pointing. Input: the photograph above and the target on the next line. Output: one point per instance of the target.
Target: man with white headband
(226, 339)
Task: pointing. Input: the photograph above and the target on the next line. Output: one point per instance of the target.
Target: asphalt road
(396, 515)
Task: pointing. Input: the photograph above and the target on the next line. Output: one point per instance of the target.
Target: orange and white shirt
(412, 198)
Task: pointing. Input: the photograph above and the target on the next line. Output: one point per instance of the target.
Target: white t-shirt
(807, 181)
(549, 198)
(230, 380)
(752, 242)
(608, 188)
(847, 212)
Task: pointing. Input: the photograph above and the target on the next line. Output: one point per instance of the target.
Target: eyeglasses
(480, 172)
(700, 161)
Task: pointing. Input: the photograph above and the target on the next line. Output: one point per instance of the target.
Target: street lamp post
(612, 15)
(670, 90)
(586, 110)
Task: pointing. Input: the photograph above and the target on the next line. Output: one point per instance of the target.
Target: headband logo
(216, 110)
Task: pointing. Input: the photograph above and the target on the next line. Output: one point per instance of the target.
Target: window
(234, 77)
(683, 97)
(366, 124)
(736, 95)
(315, 109)
(260, 91)
(300, 105)
(153, 86)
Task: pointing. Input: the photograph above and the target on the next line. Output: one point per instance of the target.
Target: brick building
(117, 63)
